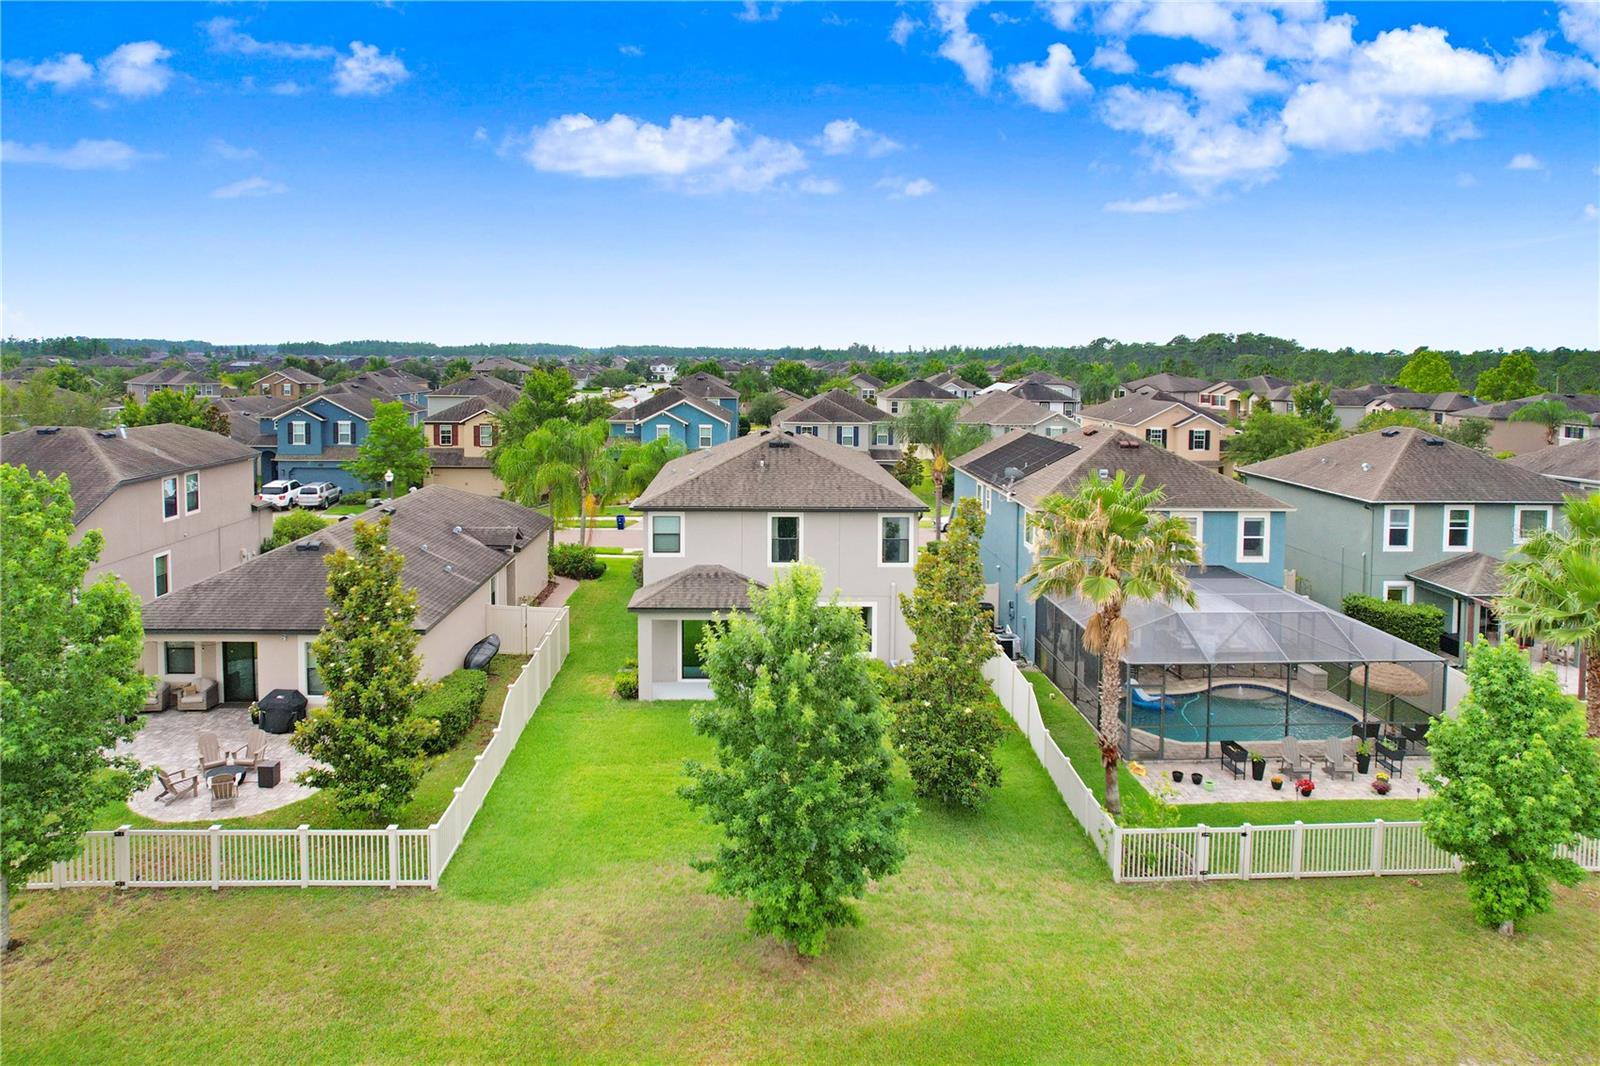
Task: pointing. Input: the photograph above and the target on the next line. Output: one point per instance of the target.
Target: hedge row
(453, 703)
(1416, 623)
(575, 561)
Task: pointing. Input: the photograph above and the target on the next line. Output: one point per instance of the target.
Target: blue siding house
(1238, 527)
(692, 421)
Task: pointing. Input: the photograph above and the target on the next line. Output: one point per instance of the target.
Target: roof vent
(48, 431)
(1366, 467)
(1105, 474)
(1127, 443)
(106, 434)
(456, 530)
(1433, 442)
(1089, 431)
(308, 545)
(1391, 432)
(779, 443)
(386, 509)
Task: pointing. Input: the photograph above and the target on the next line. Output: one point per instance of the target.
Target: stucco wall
(479, 480)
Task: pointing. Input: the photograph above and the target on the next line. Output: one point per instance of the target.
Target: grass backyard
(570, 927)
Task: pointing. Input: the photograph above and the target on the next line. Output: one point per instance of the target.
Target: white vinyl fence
(1245, 852)
(305, 857)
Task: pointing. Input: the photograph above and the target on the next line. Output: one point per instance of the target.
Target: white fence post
(216, 856)
(1377, 848)
(1246, 848)
(1202, 851)
(122, 858)
(1297, 847)
(394, 855)
(433, 855)
(1114, 853)
(305, 855)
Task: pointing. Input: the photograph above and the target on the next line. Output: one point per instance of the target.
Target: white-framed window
(1529, 522)
(895, 532)
(447, 436)
(986, 494)
(663, 431)
(666, 534)
(345, 431)
(850, 436)
(1199, 440)
(1255, 538)
(1458, 528)
(297, 433)
(485, 434)
(1571, 431)
(869, 621)
(882, 434)
(288, 388)
(1397, 523)
(191, 492)
(169, 498)
(163, 566)
(894, 407)
(705, 436)
(178, 657)
(1195, 521)
(783, 539)
(1156, 436)
(1398, 591)
(805, 431)
(310, 676)
(691, 631)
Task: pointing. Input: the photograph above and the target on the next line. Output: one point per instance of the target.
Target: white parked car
(278, 495)
(318, 494)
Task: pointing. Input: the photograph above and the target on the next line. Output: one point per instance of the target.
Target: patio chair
(198, 695)
(224, 789)
(210, 752)
(161, 698)
(181, 784)
(253, 751)
(1337, 762)
(1291, 761)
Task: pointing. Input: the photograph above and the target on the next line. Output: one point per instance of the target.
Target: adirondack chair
(210, 752)
(182, 783)
(1291, 761)
(224, 789)
(253, 751)
(1337, 762)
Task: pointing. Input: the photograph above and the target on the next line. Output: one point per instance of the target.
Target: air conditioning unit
(1008, 644)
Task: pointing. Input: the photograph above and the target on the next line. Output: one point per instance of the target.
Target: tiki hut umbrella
(1392, 678)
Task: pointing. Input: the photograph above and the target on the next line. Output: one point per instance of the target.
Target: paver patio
(171, 740)
(1228, 789)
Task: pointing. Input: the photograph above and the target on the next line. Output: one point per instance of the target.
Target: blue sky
(917, 174)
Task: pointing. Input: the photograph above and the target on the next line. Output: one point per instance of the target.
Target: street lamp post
(388, 482)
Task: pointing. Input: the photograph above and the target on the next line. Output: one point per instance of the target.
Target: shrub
(908, 471)
(453, 706)
(293, 526)
(1417, 623)
(625, 682)
(575, 561)
(638, 572)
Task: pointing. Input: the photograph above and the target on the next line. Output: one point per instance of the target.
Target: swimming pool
(1241, 712)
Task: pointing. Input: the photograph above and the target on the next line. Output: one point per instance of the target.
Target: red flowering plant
(1305, 786)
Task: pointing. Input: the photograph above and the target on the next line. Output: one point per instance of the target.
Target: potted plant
(1177, 776)
(1258, 765)
(1277, 782)
(1211, 785)
(1363, 756)
(1380, 784)
(1305, 786)
(1197, 777)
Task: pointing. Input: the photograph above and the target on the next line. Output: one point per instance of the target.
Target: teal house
(311, 439)
(693, 421)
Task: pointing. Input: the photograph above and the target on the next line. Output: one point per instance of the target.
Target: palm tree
(561, 460)
(1108, 545)
(1551, 414)
(1552, 593)
(934, 426)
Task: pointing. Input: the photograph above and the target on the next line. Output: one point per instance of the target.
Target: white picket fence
(1245, 852)
(305, 857)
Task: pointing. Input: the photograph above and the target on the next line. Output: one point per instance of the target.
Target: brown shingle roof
(699, 588)
(1186, 485)
(98, 462)
(502, 392)
(1573, 462)
(1005, 409)
(1585, 402)
(1406, 465)
(918, 389)
(472, 405)
(774, 472)
(1136, 408)
(1167, 383)
(1039, 392)
(835, 405)
(1472, 574)
(667, 399)
(706, 386)
(285, 590)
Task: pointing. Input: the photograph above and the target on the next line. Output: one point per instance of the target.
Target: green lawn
(571, 928)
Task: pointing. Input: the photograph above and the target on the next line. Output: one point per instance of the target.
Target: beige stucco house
(459, 440)
(287, 383)
(1519, 438)
(1165, 421)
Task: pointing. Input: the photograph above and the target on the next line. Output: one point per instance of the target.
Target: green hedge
(1416, 623)
(575, 561)
(453, 703)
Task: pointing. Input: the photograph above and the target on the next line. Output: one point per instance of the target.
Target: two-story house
(1576, 467)
(1165, 421)
(501, 393)
(1404, 515)
(716, 520)
(497, 364)
(1434, 406)
(287, 383)
(1238, 397)
(954, 384)
(705, 386)
(1059, 394)
(318, 435)
(692, 421)
(1350, 406)
(840, 417)
(1237, 526)
(1520, 438)
(1180, 386)
(173, 502)
(144, 386)
(1003, 412)
(865, 386)
(897, 400)
(459, 440)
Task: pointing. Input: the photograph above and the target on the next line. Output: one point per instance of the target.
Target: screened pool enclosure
(1249, 663)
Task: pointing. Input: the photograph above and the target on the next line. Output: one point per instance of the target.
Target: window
(805, 431)
(345, 431)
(169, 498)
(447, 436)
(705, 436)
(191, 492)
(666, 534)
(1194, 520)
(663, 431)
(882, 434)
(1253, 538)
(485, 432)
(850, 436)
(894, 407)
(1155, 436)
(179, 659)
(691, 666)
(1397, 528)
(894, 539)
(163, 574)
(1572, 432)
(288, 388)
(1457, 529)
(867, 616)
(1529, 522)
(986, 495)
(1397, 591)
(297, 433)
(785, 539)
(312, 674)
(1199, 440)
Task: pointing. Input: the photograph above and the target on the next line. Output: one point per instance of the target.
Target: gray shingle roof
(456, 459)
(917, 389)
(502, 392)
(1167, 383)
(1039, 392)
(285, 590)
(1186, 485)
(706, 386)
(1004, 409)
(1585, 402)
(1573, 462)
(699, 588)
(835, 405)
(1471, 574)
(1044, 377)
(173, 377)
(293, 374)
(472, 405)
(1406, 465)
(1135, 408)
(775, 472)
(667, 399)
(98, 462)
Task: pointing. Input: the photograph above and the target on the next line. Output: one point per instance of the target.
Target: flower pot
(1258, 770)
(1363, 763)
(1177, 776)
(1277, 786)
(1197, 777)
(1211, 786)
(1381, 787)
(1306, 792)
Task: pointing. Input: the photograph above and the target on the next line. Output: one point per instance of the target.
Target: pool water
(1241, 712)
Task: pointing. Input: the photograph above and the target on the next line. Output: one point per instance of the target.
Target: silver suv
(318, 494)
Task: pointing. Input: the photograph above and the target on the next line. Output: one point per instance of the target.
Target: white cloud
(231, 152)
(480, 135)
(843, 136)
(904, 26)
(1332, 117)
(906, 188)
(137, 69)
(704, 154)
(1165, 204)
(367, 72)
(1202, 147)
(83, 155)
(1227, 82)
(226, 37)
(1580, 24)
(963, 47)
(66, 71)
(818, 186)
(630, 50)
(1047, 85)
(257, 186)
(1590, 212)
(1525, 161)
(1000, 18)
(1113, 56)
(1062, 13)
(287, 88)
(752, 12)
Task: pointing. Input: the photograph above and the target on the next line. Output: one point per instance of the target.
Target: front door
(238, 672)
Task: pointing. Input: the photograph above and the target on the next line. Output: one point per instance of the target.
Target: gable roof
(1187, 485)
(1571, 462)
(1005, 409)
(503, 392)
(866, 379)
(1168, 383)
(706, 386)
(1039, 392)
(291, 373)
(918, 389)
(472, 405)
(1019, 450)
(1137, 408)
(951, 380)
(699, 588)
(1406, 465)
(98, 462)
(769, 471)
(835, 405)
(285, 590)
(173, 377)
(1362, 395)
(667, 399)
(1044, 377)
(1587, 403)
